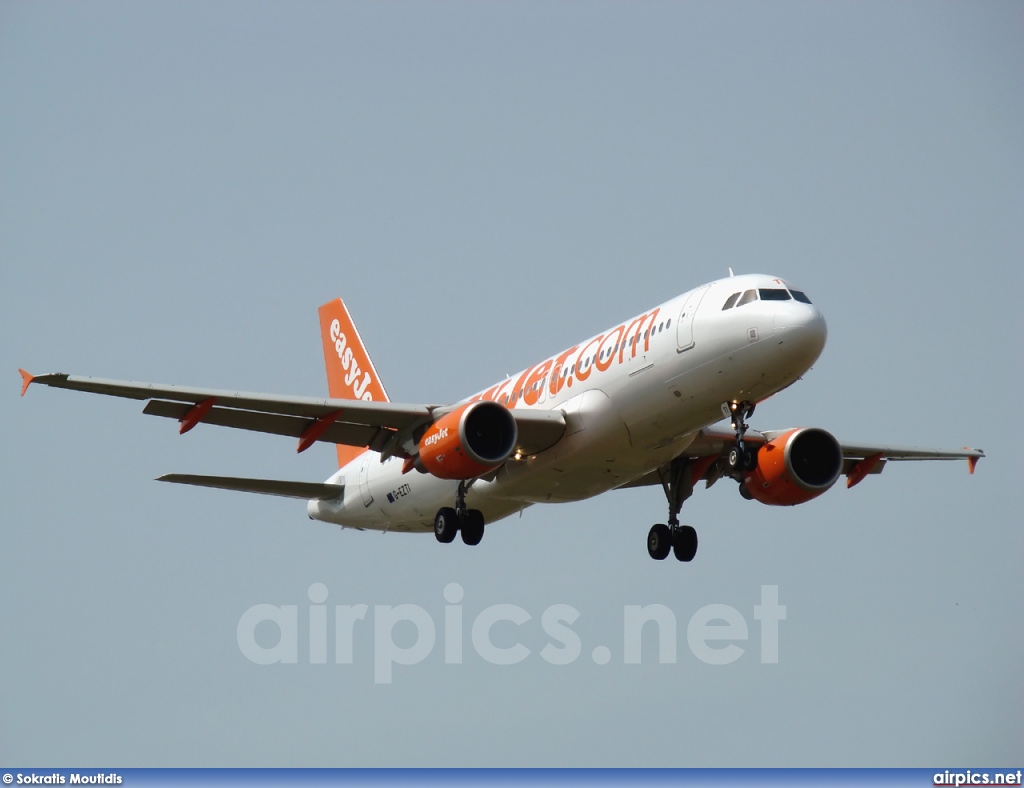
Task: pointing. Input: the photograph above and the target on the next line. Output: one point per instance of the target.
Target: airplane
(634, 406)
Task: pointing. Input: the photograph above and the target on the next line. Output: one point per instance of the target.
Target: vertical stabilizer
(350, 373)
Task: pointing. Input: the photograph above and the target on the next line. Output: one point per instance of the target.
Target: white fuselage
(630, 406)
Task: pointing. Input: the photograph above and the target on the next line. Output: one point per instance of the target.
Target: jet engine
(794, 468)
(469, 441)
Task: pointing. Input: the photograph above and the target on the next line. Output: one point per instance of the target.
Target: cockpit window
(772, 294)
(801, 297)
(748, 296)
(731, 302)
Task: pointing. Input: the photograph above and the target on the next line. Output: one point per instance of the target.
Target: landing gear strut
(741, 458)
(449, 521)
(678, 539)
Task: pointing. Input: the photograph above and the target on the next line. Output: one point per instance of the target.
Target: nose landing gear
(741, 457)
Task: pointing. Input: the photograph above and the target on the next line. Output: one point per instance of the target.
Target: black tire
(745, 461)
(744, 492)
(659, 542)
(473, 527)
(684, 543)
(446, 525)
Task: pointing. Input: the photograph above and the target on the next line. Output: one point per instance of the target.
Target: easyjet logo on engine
(350, 365)
(441, 434)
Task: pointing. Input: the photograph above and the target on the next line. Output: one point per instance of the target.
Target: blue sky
(182, 184)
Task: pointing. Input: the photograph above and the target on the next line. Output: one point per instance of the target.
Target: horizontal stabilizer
(287, 489)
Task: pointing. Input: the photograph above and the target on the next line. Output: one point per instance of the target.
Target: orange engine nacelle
(795, 467)
(468, 442)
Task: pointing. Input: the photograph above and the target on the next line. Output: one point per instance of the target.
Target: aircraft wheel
(446, 525)
(743, 461)
(659, 542)
(684, 543)
(473, 527)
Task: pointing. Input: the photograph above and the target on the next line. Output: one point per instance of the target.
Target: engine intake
(795, 467)
(469, 441)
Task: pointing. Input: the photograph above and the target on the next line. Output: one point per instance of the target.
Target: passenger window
(748, 296)
(668, 322)
(801, 297)
(731, 301)
(773, 295)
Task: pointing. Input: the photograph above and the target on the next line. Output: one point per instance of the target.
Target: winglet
(26, 380)
(972, 461)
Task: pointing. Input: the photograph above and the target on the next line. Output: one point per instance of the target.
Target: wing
(859, 459)
(387, 427)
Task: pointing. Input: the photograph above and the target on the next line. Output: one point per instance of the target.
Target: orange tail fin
(350, 372)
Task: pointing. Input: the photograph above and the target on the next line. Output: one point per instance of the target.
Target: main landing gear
(675, 538)
(449, 521)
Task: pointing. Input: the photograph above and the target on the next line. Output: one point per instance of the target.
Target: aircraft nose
(802, 328)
